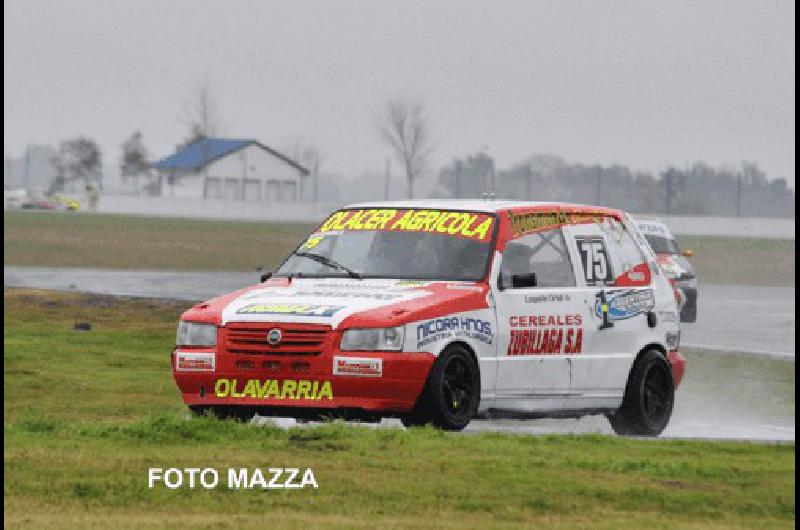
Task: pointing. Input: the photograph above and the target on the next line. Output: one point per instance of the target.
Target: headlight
(380, 339)
(192, 334)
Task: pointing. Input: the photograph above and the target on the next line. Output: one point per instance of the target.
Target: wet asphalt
(735, 318)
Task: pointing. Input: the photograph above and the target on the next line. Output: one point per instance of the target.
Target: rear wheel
(649, 397)
(452, 392)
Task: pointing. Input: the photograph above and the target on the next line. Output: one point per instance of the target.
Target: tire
(452, 392)
(221, 412)
(689, 312)
(649, 398)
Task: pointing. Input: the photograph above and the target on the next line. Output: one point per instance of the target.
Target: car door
(616, 281)
(540, 324)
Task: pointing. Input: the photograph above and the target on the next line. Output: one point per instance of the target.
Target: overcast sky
(639, 83)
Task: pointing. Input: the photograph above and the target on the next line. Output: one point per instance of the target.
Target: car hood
(342, 302)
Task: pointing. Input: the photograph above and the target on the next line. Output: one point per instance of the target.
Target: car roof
(645, 223)
(481, 205)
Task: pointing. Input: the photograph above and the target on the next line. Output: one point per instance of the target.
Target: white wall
(765, 227)
(215, 209)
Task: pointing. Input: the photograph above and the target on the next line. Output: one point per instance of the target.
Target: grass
(749, 261)
(64, 239)
(87, 413)
(59, 239)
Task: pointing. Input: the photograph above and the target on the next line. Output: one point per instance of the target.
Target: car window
(662, 245)
(542, 253)
(403, 244)
(625, 252)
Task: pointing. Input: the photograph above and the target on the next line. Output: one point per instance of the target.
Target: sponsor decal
(344, 294)
(464, 287)
(668, 316)
(526, 223)
(312, 241)
(542, 298)
(195, 361)
(546, 334)
(360, 367)
(454, 327)
(651, 228)
(411, 283)
(475, 226)
(620, 305)
(288, 389)
(290, 309)
(238, 478)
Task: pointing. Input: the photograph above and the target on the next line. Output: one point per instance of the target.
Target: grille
(297, 339)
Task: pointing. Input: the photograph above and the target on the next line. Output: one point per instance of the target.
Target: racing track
(756, 320)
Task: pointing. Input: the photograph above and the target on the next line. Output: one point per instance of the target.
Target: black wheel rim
(458, 387)
(656, 396)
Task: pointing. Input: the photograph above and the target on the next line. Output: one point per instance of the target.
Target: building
(34, 171)
(233, 170)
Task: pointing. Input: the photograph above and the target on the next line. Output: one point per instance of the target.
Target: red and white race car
(441, 311)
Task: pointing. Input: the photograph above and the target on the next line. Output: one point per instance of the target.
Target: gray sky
(639, 83)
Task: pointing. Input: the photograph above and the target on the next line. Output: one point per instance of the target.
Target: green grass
(65, 239)
(87, 413)
(749, 261)
(59, 239)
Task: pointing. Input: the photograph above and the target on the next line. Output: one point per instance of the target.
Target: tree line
(697, 189)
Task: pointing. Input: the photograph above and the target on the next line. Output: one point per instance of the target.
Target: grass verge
(68, 239)
(61, 239)
(87, 413)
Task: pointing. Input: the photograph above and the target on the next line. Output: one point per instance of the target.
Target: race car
(674, 263)
(443, 311)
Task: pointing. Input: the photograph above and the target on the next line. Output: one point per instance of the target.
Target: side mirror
(688, 253)
(527, 279)
(266, 276)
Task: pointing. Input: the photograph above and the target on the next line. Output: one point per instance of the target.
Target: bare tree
(405, 129)
(200, 114)
(311, 157)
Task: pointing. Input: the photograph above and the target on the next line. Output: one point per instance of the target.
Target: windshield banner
(476, 226)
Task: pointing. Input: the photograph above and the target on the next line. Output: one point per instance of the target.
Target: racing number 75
(594, 259)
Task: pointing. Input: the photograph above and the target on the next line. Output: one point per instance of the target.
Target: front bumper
(308, 382)
(677, 363)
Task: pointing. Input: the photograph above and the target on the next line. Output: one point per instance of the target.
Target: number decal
(594, 259)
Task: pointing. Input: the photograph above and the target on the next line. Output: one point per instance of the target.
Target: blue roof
(200, 152)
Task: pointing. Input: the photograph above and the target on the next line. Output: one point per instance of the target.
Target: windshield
(401, 244)
(662, 245)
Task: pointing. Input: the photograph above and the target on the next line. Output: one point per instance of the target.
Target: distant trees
(698, 189)
(468, 177)
(78, 159)
(133, 162)
(404, 128)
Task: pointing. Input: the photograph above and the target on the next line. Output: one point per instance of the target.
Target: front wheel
(649, 397)
(452, 393)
